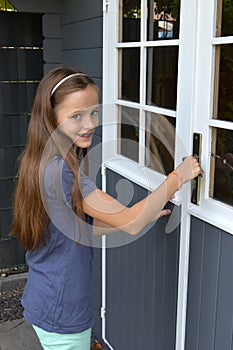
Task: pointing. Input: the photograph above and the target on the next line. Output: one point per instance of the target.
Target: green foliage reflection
(5, 5)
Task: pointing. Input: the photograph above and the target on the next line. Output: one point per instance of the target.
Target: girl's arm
(105, 209)
(101, 228)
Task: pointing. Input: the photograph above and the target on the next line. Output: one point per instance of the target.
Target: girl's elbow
(133, 229)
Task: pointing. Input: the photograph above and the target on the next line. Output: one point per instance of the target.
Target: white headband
(63, 80)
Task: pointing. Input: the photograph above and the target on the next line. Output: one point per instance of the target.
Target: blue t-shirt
(57, 296)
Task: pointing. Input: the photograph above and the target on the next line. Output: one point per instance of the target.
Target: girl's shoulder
(57, 174)
(56, 165)
(58, 171)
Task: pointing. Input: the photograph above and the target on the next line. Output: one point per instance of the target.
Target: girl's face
(77, 116)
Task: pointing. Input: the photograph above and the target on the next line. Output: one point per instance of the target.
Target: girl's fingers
(164, 212)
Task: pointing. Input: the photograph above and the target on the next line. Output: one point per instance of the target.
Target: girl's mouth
(86, 135)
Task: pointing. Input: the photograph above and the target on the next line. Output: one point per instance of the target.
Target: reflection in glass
(129, 59)
(225, 86)
(163, 19)
(128, 131)
(162, 68)
(129, 20)
(223, 165)
(160, 142)
(224, 18)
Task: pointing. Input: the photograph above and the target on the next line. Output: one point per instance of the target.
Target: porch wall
(81, 48)
(51, 26)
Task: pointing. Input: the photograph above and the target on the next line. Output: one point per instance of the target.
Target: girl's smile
(77, 116)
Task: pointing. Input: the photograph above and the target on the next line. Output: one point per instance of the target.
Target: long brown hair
(30, 220)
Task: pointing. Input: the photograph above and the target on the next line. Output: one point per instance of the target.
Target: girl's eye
(76, 117)
(95, 113)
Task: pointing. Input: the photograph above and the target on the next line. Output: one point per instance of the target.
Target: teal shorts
(57, 341)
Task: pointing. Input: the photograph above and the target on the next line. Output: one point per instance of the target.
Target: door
(166, 79)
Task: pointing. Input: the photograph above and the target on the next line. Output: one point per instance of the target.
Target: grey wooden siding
(82, 37)
(210, 293)
(142, 286)
(42, 6)
(81, 28)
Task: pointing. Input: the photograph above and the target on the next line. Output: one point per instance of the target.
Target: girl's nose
(90, 121)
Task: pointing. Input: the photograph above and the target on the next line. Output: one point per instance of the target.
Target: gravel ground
(10, 305)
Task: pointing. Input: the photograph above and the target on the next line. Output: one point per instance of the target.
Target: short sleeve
(58, 183)
(59, 180)
(67, 181)
(87, 185)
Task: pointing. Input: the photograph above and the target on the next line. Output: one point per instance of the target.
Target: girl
(51, 192)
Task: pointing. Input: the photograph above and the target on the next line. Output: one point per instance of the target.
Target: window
(221, 186)
(147, 81)
(160, 141)
(5, 5)
(168, 70)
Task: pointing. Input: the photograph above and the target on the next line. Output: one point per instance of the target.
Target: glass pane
(129, 20)
(162, 68)
(224, 77)
(225, 18)
(160, 142)
(222, 163)
(163, 19)
(5, 5)
(128, 132)
(129, 60)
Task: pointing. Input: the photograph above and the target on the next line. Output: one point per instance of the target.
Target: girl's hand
(188, 170)
(162, 213)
